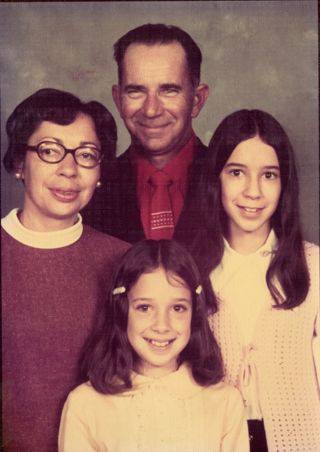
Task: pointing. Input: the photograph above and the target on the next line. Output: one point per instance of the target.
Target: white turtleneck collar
(265, 249)
(44, 240)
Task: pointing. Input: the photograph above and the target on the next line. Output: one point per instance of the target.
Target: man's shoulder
(199, 158)
(201, 149)
(200, 144)
(124, 157)
(121, 166)
(125, 153)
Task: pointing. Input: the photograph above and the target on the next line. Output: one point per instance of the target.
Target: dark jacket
(114, 210)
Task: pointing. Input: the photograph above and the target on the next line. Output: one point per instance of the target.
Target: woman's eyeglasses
(51, 152)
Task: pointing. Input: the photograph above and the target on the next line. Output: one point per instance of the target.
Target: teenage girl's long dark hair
(110, 359)
(288, 265)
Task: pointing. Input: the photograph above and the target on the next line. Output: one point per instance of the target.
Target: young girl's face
(159, 321)
(251, 187)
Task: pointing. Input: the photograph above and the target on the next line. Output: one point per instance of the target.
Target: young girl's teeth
(159, 344)
(250, 209)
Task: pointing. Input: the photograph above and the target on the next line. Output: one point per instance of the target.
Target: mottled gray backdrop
(257, 54)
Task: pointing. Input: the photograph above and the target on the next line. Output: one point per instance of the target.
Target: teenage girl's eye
(143, 307)
(270, 175)
(235, 172)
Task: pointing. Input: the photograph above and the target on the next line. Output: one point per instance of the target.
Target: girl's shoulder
(312, 256)
(85, 395)
(224, 392)
(224, 399)
(311, 249)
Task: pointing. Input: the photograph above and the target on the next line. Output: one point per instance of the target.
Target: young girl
(154, 366)
(266, 281)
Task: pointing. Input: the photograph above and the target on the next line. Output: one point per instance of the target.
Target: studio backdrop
(256, 54)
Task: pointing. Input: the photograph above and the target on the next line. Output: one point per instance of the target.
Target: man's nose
(152, 105)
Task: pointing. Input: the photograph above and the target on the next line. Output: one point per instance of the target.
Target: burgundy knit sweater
(49, 302)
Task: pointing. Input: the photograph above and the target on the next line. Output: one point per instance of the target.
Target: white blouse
(168, 414)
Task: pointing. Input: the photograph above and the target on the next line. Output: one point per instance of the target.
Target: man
(149, 191)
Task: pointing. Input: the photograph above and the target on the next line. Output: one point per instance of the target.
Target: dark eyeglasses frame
(66, 151)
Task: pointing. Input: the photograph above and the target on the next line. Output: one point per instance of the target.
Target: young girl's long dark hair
(109, 358)
(288, 264)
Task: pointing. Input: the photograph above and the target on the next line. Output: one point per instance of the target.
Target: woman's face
(250, 188)
(55, 193)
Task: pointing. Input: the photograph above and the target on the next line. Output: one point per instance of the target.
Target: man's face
(156, 98)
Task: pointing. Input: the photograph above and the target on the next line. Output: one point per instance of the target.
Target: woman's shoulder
(98, 237)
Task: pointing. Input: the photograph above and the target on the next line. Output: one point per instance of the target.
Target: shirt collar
(267, 248)
(179, 384)
(176, 168)
(43, 240)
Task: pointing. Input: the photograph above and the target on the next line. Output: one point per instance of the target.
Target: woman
(265, 278)
(54, 269)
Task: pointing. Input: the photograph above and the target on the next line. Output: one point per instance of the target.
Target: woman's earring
(99, 184)
(17, 175)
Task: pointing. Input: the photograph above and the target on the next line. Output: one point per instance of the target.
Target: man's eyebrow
(171, 86)
(164, 86)
(134, 87)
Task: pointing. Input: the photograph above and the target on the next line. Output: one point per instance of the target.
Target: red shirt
(176, 168)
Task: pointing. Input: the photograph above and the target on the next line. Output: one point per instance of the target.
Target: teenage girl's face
(250, 188)
(159, 321)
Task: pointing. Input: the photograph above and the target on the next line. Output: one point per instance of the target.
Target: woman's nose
(68, 166)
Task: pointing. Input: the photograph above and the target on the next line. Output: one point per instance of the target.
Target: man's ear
(116, 97)
(200, 96)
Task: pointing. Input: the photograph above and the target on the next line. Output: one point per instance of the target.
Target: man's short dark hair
(151, 34)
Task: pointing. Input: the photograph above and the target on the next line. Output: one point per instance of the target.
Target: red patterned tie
(161, 215)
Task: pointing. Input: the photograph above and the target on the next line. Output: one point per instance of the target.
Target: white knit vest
(281, 351)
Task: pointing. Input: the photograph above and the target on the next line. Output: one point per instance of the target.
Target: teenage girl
(266, 281)
(154, 366)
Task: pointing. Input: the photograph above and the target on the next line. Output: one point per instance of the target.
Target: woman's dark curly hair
(59, 107)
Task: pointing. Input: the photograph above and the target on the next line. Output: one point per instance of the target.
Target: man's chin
(158, 152)
(152, 149)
